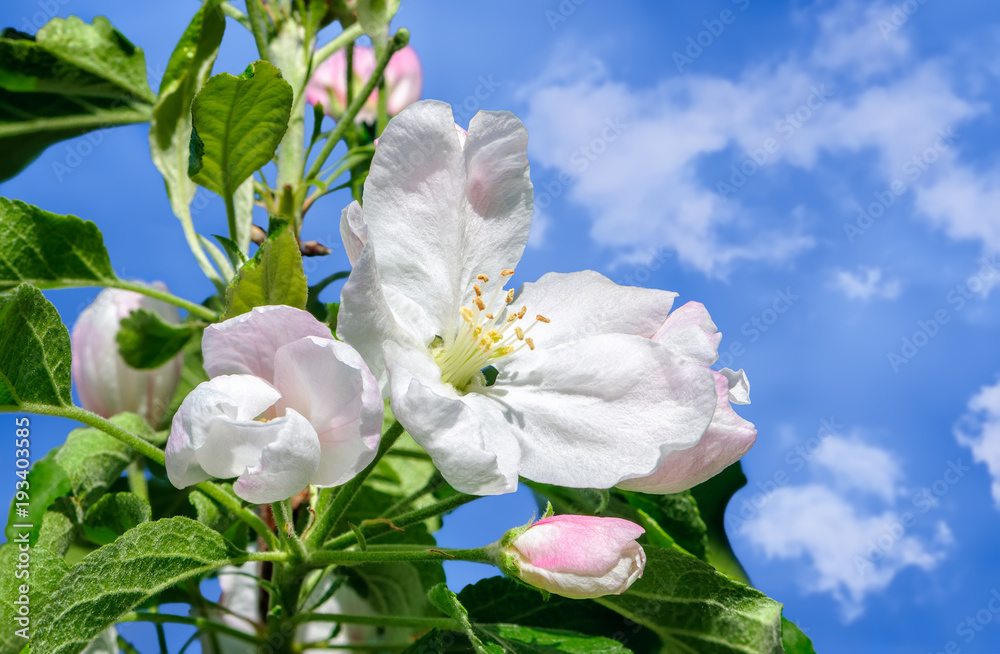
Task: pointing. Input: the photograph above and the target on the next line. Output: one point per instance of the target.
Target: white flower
(583, 396)
(287, 406)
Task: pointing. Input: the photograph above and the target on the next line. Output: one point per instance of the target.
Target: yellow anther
(495, 335)
(520, 314)
(466, 314)
(478, 330)
(483, 278)
(489, 316)
(531, 343)
(510, 296)
(520, 333)
(507, 272)
(511, 317)
(541, 318)
(478, 290)
(479, 303)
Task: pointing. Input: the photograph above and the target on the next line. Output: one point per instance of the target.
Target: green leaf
(113, 515)
(99, 49)
(502, 600)
(93, 460)
(47, 482)
(45, 571)
(209, 513)
(794, 640)
(114, 579)
(273, 276)
(396, 588)
(34, 350)
(48, 250)
(71, 79)
(237, 125)
(448, 603)
(192, 374)
(693, 607)
(519, 639)
(59, 527)
(713, 496)
(677, 514)
(375, 16)
(145, 341)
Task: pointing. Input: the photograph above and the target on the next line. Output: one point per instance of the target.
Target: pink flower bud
(404, 80)
(577, 556)
(105, 383)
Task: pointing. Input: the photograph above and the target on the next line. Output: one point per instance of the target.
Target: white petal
(593, 412)
(246, 344)
(327, 381)
(739, 385)
(438, 214)
(182, 465)
(725, 442)
(287, 464)
(587, 303)
(353, 231)
(474, 453)
(690, 333)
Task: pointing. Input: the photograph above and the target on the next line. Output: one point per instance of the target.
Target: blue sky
(823, 176)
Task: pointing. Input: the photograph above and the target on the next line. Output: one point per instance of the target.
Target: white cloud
(866, 284)
(852, 554)
(843, 527)
(635, 153)
(981, 433)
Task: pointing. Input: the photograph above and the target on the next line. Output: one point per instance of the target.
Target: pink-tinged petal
(182, 465)
(580, 556)
(474, 453)
(327, 381)
(439, 215)
(247, 343)
(690, 333)
(593, 412)
(587, 303)
(287, 463)
(725, 442)
(404, 78)
(353, 231)
(739, 385)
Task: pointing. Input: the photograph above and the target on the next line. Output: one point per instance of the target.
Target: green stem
(319, 286)
(187, 305)
(200, 623)
(134, 441)
(237, 15)
(241, 512)
(349, 35)
(397, 42)
(231, 218)
(383, 112)
(286, 529)
(379, 620)
(323, 558)
(331, 507)
(374, 530)
(137, 480)
(435, 482)
(258, 25)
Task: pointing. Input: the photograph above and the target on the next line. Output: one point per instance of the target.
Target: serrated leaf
(519, 639)
(448, 603)
(34, 350)
(396, 588)
(72, 79)
(273, 276)
(693, 607)
(44, 573)
(237, 123)
(209, 513)
(677, 514)
(113, 515)
(116, 578)
(145, 341)
(46, 483)
(93, 460)
(59, 528)
(48, 250)
(794, 640)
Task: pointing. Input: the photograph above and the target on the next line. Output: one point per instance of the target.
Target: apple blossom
(105, 383)
(576, 556)
(286, 406)
(690, 332)
(403, 82)
(582, 395)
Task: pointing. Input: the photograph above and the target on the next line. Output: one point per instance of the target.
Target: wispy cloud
(866, 284)
(980, 432)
